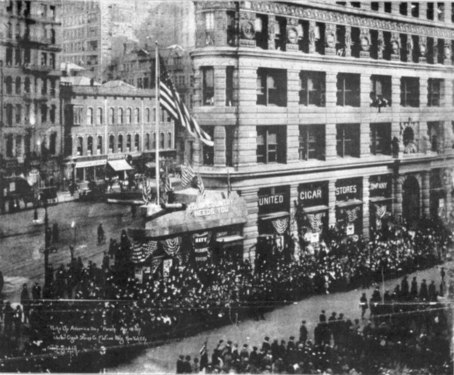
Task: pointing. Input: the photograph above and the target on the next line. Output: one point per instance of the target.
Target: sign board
(315, 238)
(274, 199)
(350, 229)
(138, 274)
(348, 189)
(380, 186)
(12, 187)
(314, 194)
(166, 266)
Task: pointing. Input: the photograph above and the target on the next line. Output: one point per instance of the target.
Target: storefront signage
(348, 189)
(314, 194)
(380, 186)
(350, 229)
(273, 200)
(212, 208)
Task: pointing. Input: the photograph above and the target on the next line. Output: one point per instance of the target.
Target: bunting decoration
(280, 225)
(142, 250)
(352, 214)
(380, 210)
(187, 175)
(315, 221)
(200, 184)
(147, 193)
(171, 245)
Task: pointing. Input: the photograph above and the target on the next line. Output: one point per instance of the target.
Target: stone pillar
(409, 48)
(423, 99)
(330, 39)
(366, 215)
(364, 140)
(196, 153)
(250, 231)
(311, 36)
(219, 146)
(447, 53)
(425, 193)
(380, 44)
(422, 10)
(271, 32)
(247, 145)
(395, 46)
(292, 34)
(14, 140)
(293, 223)
(365, 43)
(348, 41)
(397, 194)
(293, 86)
(395, 90)
(422, 47)
(332, 203)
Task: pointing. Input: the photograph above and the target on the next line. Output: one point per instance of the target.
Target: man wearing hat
(266, 344)
(303, 332)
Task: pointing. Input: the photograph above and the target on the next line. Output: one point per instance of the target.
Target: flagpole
(157, 121)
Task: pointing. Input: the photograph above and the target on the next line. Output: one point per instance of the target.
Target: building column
(365, 43)
(365, 87)
(219, 146)
(423, 90)
(425, 193)
(311, 36)
(423, 10)
(293, 86)
(250, 231)
(247, 145)
(397, 195)
(366, 215)
(422, 46)
(293, 223)
(332, 203)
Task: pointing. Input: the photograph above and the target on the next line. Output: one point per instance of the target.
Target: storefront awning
(351, 202)
(378, 199)
(315, 209)
(274, 215)
(229, 239)
(90, 163)
(120, 165)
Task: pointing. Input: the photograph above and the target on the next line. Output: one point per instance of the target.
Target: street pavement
(280, 324)
(22, 241)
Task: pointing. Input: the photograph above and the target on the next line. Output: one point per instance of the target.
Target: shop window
(99, 115)
(348, 89)
(137, 116)
(207, 86)
(303, 36)
(111, 143)
(8, 85)
(380, 138)
(320, 38)
(99, 145)
(271, 144)
(137, 142)
(18, 113)
(261, 31)
(229, 86)
(414, 9)
(280, 33)
(271, 87)
(409, 92)
(403, 8)
(9, 114)
(89, 116)
(207, 151)
(9, 146)
(312, 142)
(434, 92)
(80, 146)
(430, 11)
(312, 88)
(18, 85)
(347, 138)
(112, 115)
(380, 94)
(356, 41)
(229, 139)
(90, 145)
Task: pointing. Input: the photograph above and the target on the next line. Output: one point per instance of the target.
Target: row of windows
(18, 145)
(122, 143)
(25, 9)
(38, 33)
(14, 113)
(272, 89)
(47, 86)
(19, 56)
(118, 116)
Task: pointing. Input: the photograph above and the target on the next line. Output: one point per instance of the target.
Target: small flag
(167, 185)
(187, 175)
(200, 184)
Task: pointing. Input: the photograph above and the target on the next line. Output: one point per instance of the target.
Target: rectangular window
(272, 87)
(312, 142)
(280, 33)
(409, 92)
(18, 113)
(348, 89)
(230, 28)
(261, 31)
(434, 92)
(374, 5)
(387, 6)
(207, 151)
(229, 139)
(380, 91)
(209, 21)
(229, 86)
(433, 132)
(312, 88)
(380, 138)
(320, 38)
(347, 138)
(403, 8)
(415, 9)
(271, 144)
(430, 11)
(207, 86)
(77, 115)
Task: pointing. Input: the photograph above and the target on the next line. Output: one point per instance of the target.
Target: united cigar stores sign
(348, 189)
(274, 199)
(380, 186)
(314, 194)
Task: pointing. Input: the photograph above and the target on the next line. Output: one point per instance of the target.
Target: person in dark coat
(187, 368)
(322, 317)
(432, 291)
(203, 357)
(404, 287)
(25, 302)
(423, 291)
(17, 320)
(8, 318)
(414, 288)
(180, 365)
(36, 291)
(303, 332)
(266, 344)
(363, 305)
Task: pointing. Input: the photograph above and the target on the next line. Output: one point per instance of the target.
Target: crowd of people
(400, 338)
(193, 298)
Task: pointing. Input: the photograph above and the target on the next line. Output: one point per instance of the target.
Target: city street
(22, 241)
(280, 323)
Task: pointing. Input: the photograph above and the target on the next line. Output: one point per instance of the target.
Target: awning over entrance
(274, 215)
(120, 165)
(90, 163)
(229, 239)
(308, 210)
(350, 202)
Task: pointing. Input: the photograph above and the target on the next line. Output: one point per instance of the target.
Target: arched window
(147, 141)
(120, 143)
(111, 143)
(53, 111)
(99, 145)
(99, 116)
(80, 146)
(137, 116)
(148, 113)
(154, 114)
(128, 116)
(18, 113)
(163, 115)
(9, 30)
(9, 85)
(9, 114)
(169, 139)
(137, 142)
(161, 140)
(112, 115)
(120, 116)
(90, 145)
(154, 141)
(27, 85)
(18, 82)
(89, 116)
(128, 142)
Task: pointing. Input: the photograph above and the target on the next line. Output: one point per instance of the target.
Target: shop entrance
(410, 200)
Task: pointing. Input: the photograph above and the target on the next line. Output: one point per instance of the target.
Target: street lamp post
(46, 245)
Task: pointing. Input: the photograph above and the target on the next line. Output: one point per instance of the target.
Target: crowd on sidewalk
(409, 334)
(194, 298)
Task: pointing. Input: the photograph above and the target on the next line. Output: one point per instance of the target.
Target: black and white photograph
(227, 187)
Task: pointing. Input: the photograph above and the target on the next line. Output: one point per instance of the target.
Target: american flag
(187, 175)
(170, 100)
(167, 184)
(200, 184)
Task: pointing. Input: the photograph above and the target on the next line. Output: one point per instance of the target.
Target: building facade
(30, 128)
(108, 124)
(326, 114)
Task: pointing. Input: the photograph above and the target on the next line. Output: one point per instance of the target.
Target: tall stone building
(326, 114)
(30, 129)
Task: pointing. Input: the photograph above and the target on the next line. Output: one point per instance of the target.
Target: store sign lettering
(351, 189)
(271, 199)
(310, 194)
(221, 207)
(378, 185)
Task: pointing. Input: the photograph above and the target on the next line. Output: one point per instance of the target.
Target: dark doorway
(410, 201)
